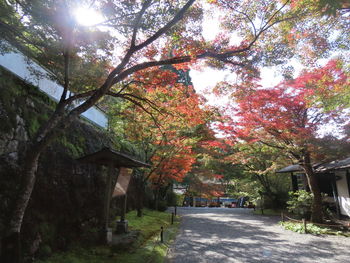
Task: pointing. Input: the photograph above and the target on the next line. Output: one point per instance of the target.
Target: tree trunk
(316, 209)
(140, 194)
(139, 211)
(11, 244)
(156, 198)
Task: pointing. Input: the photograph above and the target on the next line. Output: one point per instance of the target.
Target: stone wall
(66, 203)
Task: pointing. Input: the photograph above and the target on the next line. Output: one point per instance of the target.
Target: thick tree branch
(136, 26)
(79, 96)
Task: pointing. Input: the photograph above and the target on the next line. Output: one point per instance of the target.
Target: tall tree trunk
(140, 195)
(139, 206)
(11, 243)
(156, 198)
(316, 209)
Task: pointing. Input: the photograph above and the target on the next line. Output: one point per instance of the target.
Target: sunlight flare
(88, 16)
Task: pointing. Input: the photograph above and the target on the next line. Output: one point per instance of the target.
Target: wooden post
(108, 194)
(122, 216)
(335, 195)
(161, 235)
(304, 223)
(172, 218)
(175, 210)
(282, 216)
(106, 206)
(262, 210)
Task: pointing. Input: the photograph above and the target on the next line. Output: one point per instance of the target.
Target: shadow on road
(236, 235)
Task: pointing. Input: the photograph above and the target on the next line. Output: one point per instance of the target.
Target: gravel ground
(236, 235)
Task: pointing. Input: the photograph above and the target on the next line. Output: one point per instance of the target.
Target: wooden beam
(348, 180)
(108, 194)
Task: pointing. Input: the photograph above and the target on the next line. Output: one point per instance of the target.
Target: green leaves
(300, 203)
(311, 228)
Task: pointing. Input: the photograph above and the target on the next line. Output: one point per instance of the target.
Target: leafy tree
(328, 7)
(259, 163)
(212, 175)
(101, 60)
(162, 129)
(300, 203)
(287, 117)
(323, 29)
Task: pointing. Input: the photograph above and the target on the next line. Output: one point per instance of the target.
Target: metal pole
(175, 210)
(172, 218)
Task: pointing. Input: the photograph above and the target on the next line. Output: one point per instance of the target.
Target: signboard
(123, 180)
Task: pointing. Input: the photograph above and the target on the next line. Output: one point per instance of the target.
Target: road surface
(236, 235)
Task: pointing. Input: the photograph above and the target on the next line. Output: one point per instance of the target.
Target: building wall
(343, 193)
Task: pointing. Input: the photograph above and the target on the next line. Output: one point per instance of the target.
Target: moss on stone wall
(67, 200)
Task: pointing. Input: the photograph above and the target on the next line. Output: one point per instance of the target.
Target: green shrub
(48, 232)
(311, 228)
(171, 199)
(45, 251)
(162, 205)
(300, 203)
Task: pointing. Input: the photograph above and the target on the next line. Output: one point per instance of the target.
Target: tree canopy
(134, 54)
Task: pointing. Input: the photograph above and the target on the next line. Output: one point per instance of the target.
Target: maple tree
(321, 32)
(161, 127)
(329, 7)
(101, 60)
(287, 117)
(212, 175)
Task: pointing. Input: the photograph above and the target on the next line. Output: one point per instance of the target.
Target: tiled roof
(290, 169)
(319, 168)
(334, 165)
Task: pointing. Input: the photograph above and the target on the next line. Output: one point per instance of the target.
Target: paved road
(235, 235)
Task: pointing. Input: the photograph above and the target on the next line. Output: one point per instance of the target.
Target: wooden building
(333, 179)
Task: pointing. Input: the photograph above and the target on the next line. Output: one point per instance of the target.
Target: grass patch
(149, 224)
(312, 229)
(148, 247)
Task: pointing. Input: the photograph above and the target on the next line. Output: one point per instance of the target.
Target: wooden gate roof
(107, 156)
